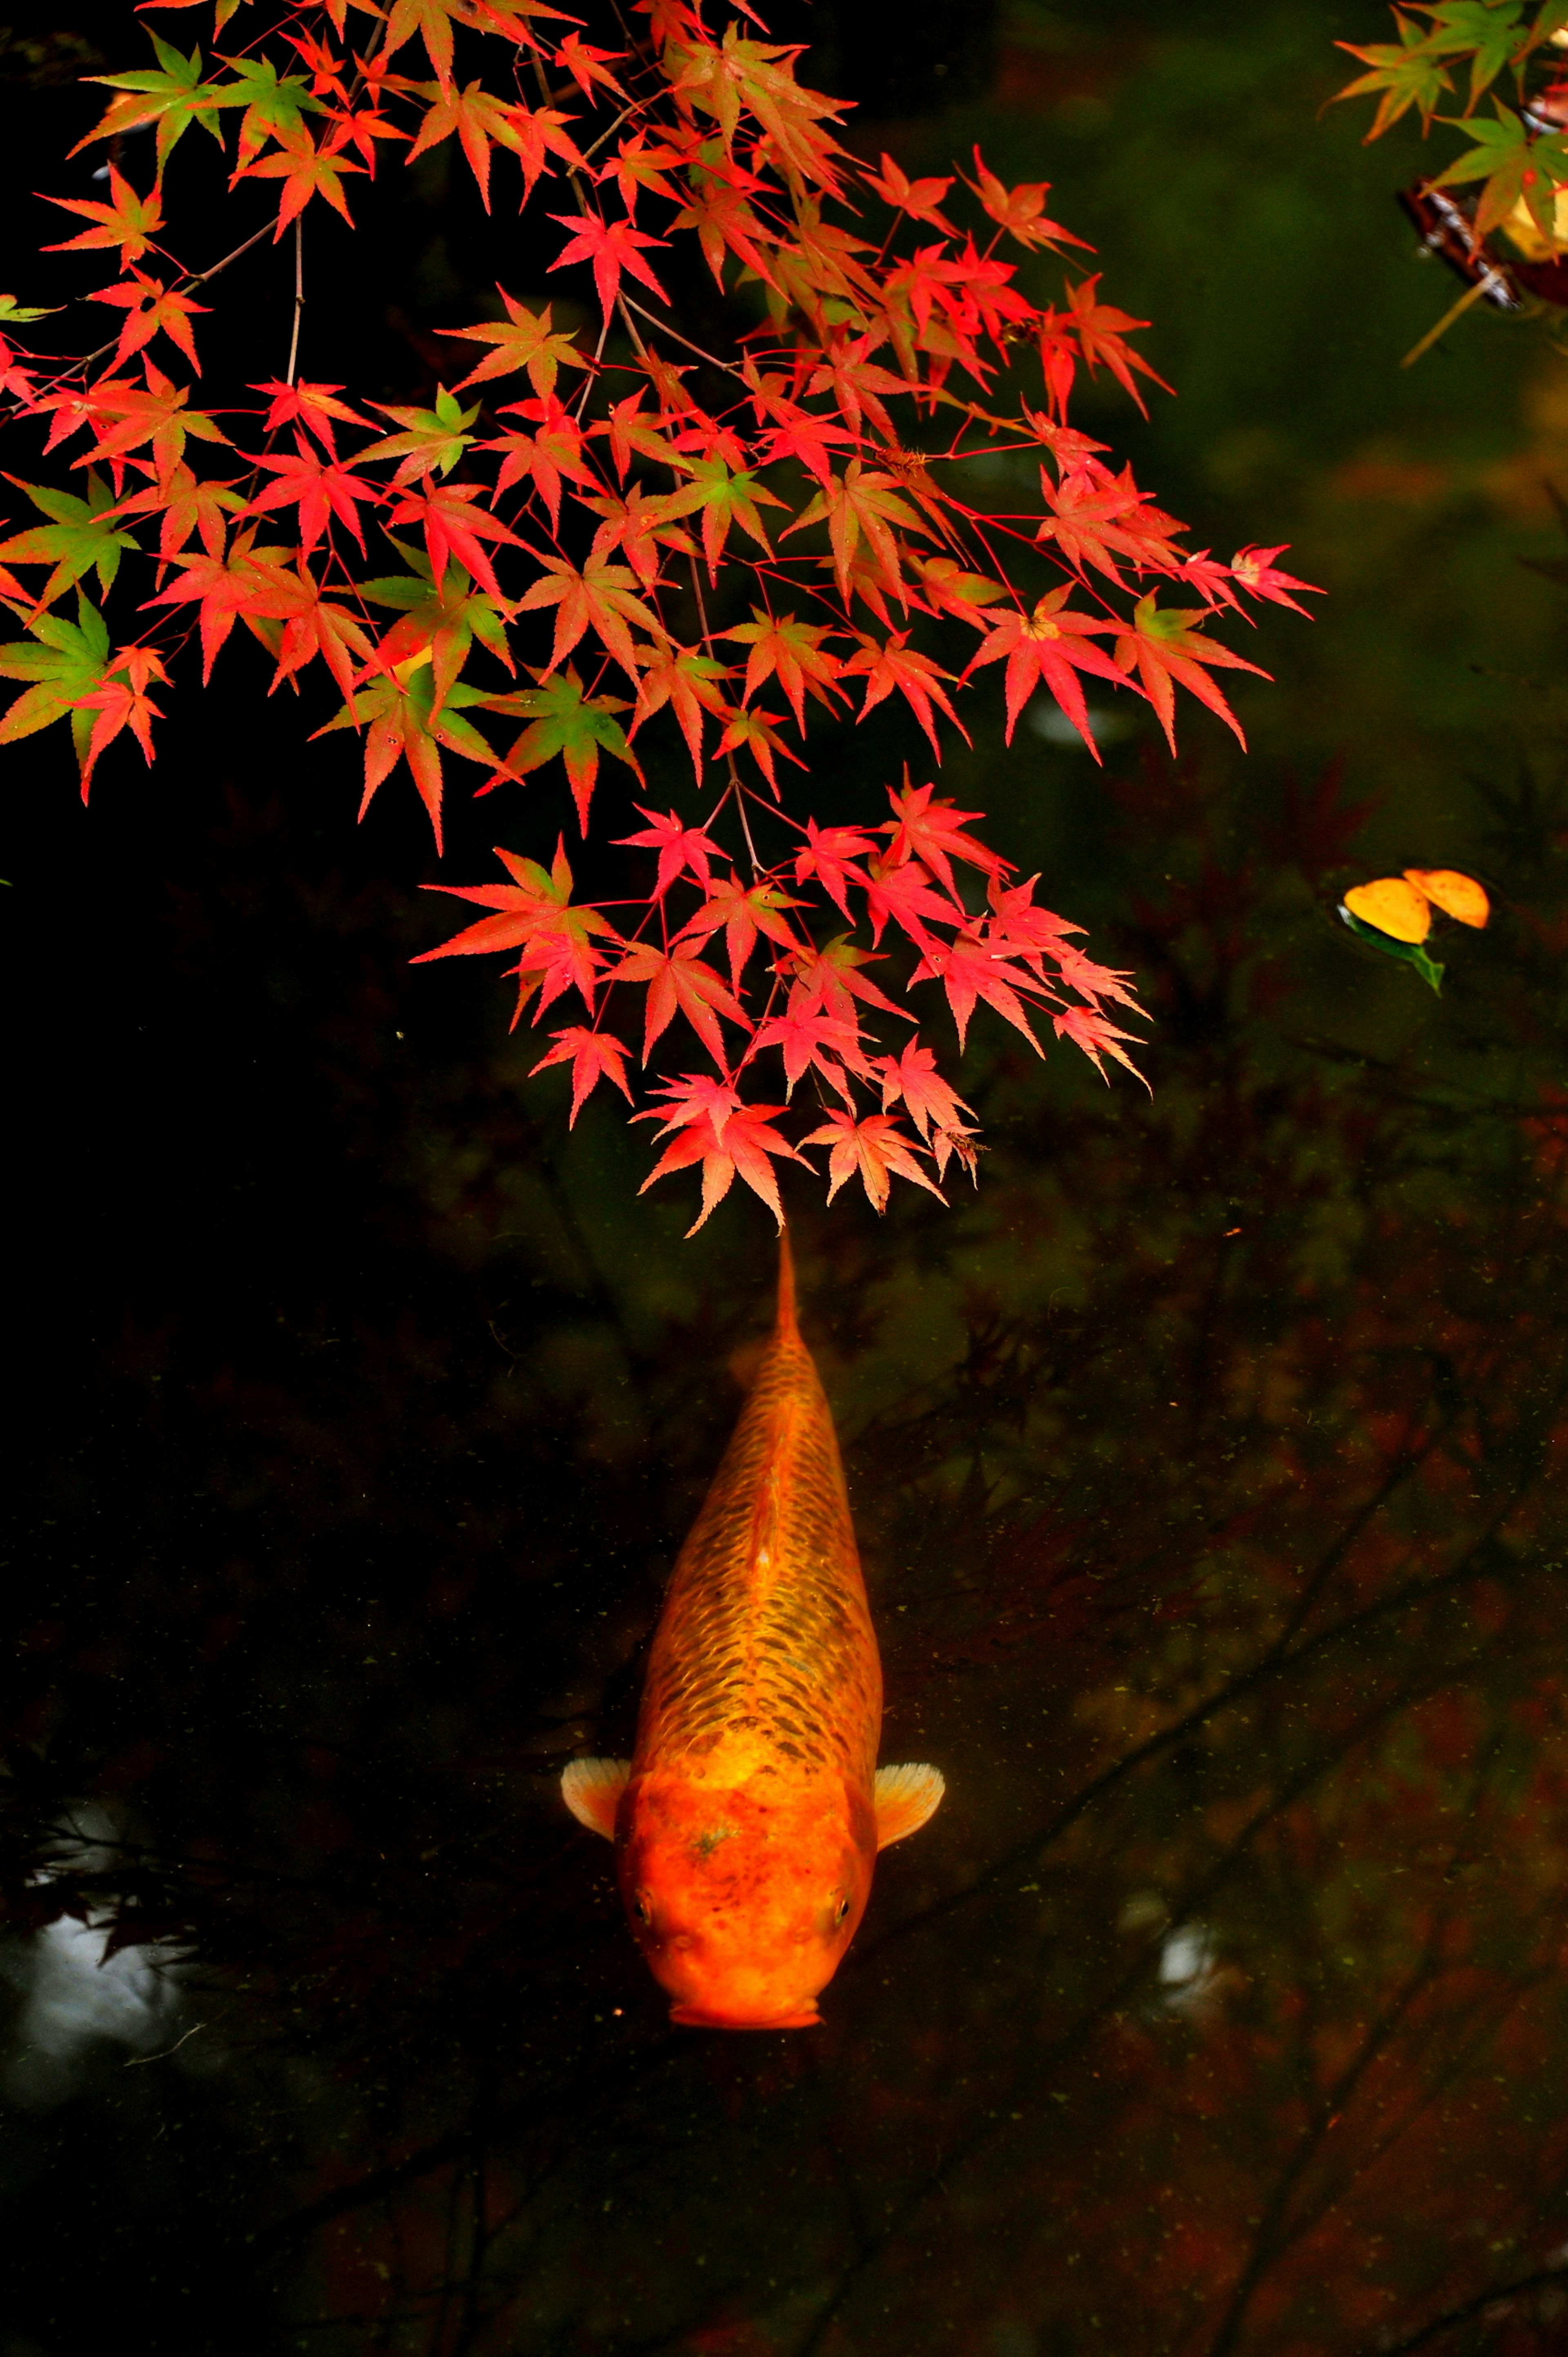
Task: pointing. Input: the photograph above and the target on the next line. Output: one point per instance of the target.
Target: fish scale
(766, 1631)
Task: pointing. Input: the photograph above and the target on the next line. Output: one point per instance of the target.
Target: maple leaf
(727, 1138)
(313, 625)
(311, 406)
(682, 849)
(681, 982)
(1410, 75)
(1101, 329)
(83, 536)
(758, 732)
(900, 890)
(636, 167)
(306, 171)
(587, 66)
(856, 384)
(914, 1076)
(538, 916)
(724, 497)
(480, 120)
(125, 415)
(553, 451)
(916, 676)
(830, 977)
(1021, 211)
(445, 619)
(67, 662)
(121, 700)
(561, 719)
(274, 106)
(724, 220)
(455, 527)
(594, 1056)
(186, 504)
(1049, 646)
(432, 441)
(972, 968)
(861, 504)
(173, 97)
(745, 910)
(952, 590)
(611, 247)
(689, 682)
(525, 341)
(248, 582)
(1097, 1036)
(812, 1040)
(319, 487)
(1255, 570)
(1097, 517)
(129, 222)
(932, 831)
(1516, 165)
(1166, 645)
(721, 80)
(919, 199)
(830, 854)
(601, 598)
(402, 719)
(431, 20)
(874, 1150)
(786, 648)
(151, 308)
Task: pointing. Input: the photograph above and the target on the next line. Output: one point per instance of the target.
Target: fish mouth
(693, 2017)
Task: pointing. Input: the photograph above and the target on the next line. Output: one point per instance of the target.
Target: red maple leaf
(455, 527)
(611, 247)
(933, 831)
(537, 915)
(1254, 568)
(594, 1056)
(973, 968)
(122, 702)
(918, 679)
(306, 171)
(247, 581)
(1050, 646)
(830, 854)
(810, 1038)
(319, 489)
(744, 910)
(933, 1106)
(1166, 645)
(1095, 1034)
(919, 199)
(682, 850)
(727, 1138)
(312, 405)
(1101, 329)
(875, 1150)
(902, 892)
(679, 982)
(128, 221)
(1021, 211)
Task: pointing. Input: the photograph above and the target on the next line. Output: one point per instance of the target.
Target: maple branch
(298, 297)
(665, 329)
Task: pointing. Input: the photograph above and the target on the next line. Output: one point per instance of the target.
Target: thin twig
(298, 295)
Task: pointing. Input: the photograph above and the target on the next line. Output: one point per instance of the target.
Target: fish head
(744, 1896)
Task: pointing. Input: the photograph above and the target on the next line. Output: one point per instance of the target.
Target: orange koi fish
(748, 1822)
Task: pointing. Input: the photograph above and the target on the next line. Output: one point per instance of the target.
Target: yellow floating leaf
(1455, 895)
(1392, 907)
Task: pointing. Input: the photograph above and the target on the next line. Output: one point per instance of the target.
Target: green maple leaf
(84, 534)
(68, 661)
(273, 107)
(1513, 165)
(1488, 30)
(434, 441)
(14, 314)
(173, 98)
(563, 720)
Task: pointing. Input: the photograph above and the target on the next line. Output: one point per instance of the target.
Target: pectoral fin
(904, 1798)
(592, 1789)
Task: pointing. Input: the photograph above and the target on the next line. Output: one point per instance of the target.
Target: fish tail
(787, 1325)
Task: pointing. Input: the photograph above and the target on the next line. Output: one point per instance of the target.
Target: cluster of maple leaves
(1520, 155)
(598, 535)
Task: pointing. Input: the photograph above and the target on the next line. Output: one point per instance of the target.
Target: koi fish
(747, 1822)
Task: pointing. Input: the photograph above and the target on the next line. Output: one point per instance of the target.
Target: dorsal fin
(904, 1798)
(786, 1325)
(592, 1789)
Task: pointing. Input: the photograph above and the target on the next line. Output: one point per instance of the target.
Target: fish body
(747, 1822)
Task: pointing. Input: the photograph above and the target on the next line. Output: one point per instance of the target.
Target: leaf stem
(1471, 295)
(298, 295)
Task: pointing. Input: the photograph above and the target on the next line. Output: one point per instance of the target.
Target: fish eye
(843, 1911)
(640, 1907)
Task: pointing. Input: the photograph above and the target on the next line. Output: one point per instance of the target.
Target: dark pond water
(1207, 1465)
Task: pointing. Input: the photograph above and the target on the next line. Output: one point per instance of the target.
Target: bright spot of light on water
(1050, 721)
